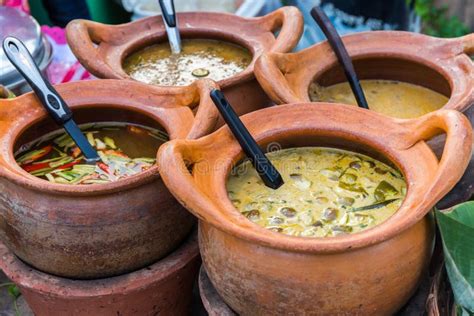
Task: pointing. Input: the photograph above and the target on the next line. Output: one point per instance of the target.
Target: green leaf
(457, 230)
(14, 291)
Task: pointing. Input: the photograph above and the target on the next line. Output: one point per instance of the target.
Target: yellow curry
(327, 192)
(392, 98)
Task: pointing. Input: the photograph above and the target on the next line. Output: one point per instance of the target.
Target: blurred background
(444, 18)
(46, 19)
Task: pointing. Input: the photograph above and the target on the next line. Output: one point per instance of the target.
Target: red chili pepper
(104, 167)
(34, 167)
(68, 165)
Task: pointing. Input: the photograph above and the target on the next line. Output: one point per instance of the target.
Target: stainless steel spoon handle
(21, 58)
(171, 23)
(57, 108)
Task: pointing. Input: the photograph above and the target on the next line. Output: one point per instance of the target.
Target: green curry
(327, 192)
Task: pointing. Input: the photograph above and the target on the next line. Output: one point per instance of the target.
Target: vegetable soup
(125, 149)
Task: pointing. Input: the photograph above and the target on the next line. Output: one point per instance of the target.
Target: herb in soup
(392, 98)
(327, 192)
(199, 58)
(124, 149)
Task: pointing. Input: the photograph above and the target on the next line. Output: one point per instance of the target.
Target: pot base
(215, 305)
(164, 287)
(212, 301)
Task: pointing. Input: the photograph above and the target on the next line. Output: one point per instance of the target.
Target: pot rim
(286, 77)
(174, 115)
(400, 141)
(255, 34)
(34, 280)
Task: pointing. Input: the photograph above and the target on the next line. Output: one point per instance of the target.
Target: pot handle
(83, 36)
(468, 44)
(177, 178)
(207, 114)
(10, 109)
(457, 150)
(462, 191)
(270, 76)
(290, 22)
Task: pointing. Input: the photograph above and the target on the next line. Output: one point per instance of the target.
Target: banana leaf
(457, 231)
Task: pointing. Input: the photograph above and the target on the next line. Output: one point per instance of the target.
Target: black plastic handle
(269, 174)
(168, 12)
(21, 58)
(340, 50)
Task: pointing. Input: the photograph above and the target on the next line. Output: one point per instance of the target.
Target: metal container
(19, 24)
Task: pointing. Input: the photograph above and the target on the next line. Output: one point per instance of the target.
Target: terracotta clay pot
(115, 43)
(442, 65)
(163, 288)
(81, 231)
(260, 272)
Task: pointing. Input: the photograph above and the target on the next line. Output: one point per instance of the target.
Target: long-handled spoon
(171, 23)
(21, 58)
(269, 174)
(340, 50)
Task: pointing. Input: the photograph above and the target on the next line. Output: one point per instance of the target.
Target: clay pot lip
(250, 33)
(401, 149)
(29, 278)
(17, 175)
(446, 56)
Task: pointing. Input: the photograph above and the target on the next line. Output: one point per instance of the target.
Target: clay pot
(163, 288)
(260, 272)
(115, 43)
(442, 65)
(80, 231)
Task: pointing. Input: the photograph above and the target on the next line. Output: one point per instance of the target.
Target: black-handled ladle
(268, 173)
(340, 50)
(21, 58)
(171, 23)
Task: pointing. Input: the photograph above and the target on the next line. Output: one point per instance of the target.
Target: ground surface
(7, 307)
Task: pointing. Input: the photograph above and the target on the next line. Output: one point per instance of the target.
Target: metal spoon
(171, 23)
(21, 58)
(269, 174)
(340, 50)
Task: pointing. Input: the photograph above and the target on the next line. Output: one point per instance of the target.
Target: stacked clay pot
(129, 241)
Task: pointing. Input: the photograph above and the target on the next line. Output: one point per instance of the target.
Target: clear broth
(199, 58)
